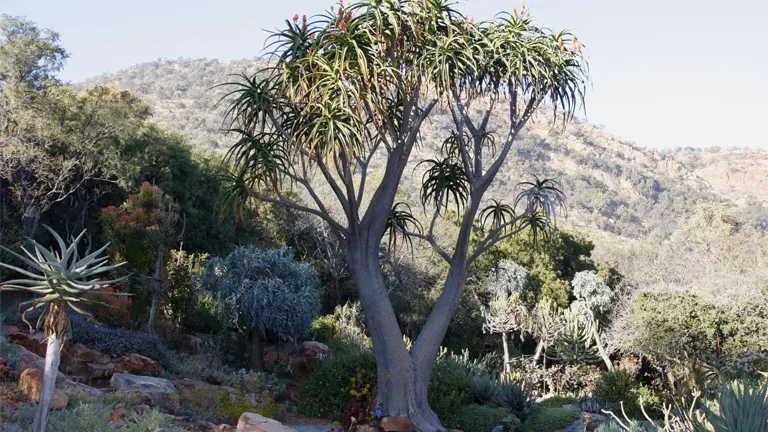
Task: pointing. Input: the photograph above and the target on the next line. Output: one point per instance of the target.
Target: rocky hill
(613, 186)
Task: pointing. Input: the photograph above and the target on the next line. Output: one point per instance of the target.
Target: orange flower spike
(296, 18)
(562, 47)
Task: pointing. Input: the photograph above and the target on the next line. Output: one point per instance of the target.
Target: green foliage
(674, 326)
(615, 387)
(575, 380)
(486, 389)
(62, 278)
(558, 401)
(267, 290)
(517, 398)
(450, 387)
(185, 306)
(591, 292)
(28, 54)
(631, 426)
(323, 328)
(548, 419)
(209, 367)
(741, 407)
(478, 418)
(326, 394)
(575, 345)
(96, 417)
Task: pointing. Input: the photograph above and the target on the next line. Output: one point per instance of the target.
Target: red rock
(137, 364)
(396, 424)
(31, 384)
(34, 342)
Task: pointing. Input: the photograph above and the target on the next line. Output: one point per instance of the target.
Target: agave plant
(487, 388)
(515, 397)
(574, 345)
(62, 279)
(742, 408)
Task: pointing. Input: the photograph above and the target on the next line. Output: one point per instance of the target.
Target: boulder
(34, 342)
(30, 360)
(137, 364)
(101, 371)
(31, 384)
(315, 349)
(396, 424)
(250, 422)
(79, 360)
(155, 391)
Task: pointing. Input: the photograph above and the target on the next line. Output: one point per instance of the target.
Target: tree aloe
(356, 84)
(62, 279)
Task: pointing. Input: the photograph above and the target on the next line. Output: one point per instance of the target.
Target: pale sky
(665, 73)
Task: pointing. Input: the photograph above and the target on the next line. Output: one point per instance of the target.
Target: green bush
(615, 387)
(478, 418)
(326, 393)
(548, 419)
(323, 328)
(97, 417)
(450, 387)
(575, 380)
(559, 401)
(486, 389)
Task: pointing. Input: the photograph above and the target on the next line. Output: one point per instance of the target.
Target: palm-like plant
(62, 279)
(357, 84)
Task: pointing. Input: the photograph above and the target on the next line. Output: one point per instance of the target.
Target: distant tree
(143, 230)
(593, 301)
(505, 312)
(257, 290)
(28, 54)
(356, 85)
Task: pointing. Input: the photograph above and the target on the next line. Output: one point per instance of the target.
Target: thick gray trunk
(52, 359)
(539, 350)
(402, 385)
(155, 290)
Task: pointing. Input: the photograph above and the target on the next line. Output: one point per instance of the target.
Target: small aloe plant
(62, 280)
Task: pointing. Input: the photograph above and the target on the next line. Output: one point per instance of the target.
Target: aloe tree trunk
(52, 360)
(57, 331)
(506, 351)
(155, 289)
(599, 342)
(257, 350)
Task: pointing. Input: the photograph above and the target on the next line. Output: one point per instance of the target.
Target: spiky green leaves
(60, 276)
(400, 224)
(542, 199)
(444, 181)
(497, 215)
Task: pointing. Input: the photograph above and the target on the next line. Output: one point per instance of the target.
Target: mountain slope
(612, 185)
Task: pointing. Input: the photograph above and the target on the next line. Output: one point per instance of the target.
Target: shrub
(548, 419)
(516, 398)
(632, 426)
(558, 401)
(575, 380)
(323, 328)
(479, 418)
(615, 387)
(6, 371)
(114, 341)
(486, 389)
(97, 417)
(209, 367)
(450, 387)
(326, 393)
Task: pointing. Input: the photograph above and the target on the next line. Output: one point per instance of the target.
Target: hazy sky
(665, 73)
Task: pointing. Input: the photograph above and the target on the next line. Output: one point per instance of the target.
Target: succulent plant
(486, 388)
(62, 280)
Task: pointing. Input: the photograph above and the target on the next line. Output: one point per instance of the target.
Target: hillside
(612, 185)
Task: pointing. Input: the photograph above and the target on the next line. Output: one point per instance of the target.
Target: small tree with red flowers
(142, 231)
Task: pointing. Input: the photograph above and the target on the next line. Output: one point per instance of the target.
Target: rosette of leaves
(574, 344)
(62, 280)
